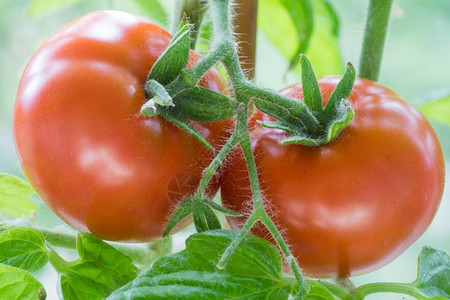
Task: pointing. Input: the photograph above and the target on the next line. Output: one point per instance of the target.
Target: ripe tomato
(353, 205)
(85, 148)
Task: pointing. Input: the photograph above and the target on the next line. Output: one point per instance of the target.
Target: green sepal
(288, 111)
(158, 96)
(223, 210)
(202, 212)
(311, 91)
(433, 273)
(181, 212)
(276, 125)
(204, 217)
(344, 115)
(323, 125)
(204, 105)
(342, 90)
(174, 58)
(183, 124)
(302, 140)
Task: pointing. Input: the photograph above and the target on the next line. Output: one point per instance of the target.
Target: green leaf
(15, 197)
(204, 105)
(253, 272)
(436, 106)
(100, 270)
(433, 277)
(323, 47)
(317, 292)
(24, 248)
(292, 18)
(309, 27)
(154, 10)
(18, 284)
(204, 40)
(41, 7)
(174, 58)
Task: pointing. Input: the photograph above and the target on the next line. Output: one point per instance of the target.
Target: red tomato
(85, 148)
(355, 204)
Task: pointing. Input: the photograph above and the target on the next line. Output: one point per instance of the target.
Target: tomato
(98, 164)
(353, 205)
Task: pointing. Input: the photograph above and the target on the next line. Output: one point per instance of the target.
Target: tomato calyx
(202, 211)
(331, 119)
(173, 92)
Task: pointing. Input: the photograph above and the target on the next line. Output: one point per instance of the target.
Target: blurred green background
(416, 64)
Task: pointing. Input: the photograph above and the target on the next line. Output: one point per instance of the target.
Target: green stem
(401, 288)
(57, 262)
(267, 221)
(209, 172)
(209, 60)
(59, 236)
(221, 14)
(259, 212)
(374, 38)
(236, 241)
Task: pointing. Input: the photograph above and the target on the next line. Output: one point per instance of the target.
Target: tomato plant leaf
(317, 292)
(174, 58)
(15, 197)
(253, 272)
(309, 27)
(42, 7)
(99, 270)
(204, 105)
(434, 273)
(294, 18)
(19, 284)
(154, 10)
(24, 248)
(436, 106)
(205, 35)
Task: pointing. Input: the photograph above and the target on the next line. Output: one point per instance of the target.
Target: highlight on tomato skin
(97, 163)
(351, 206)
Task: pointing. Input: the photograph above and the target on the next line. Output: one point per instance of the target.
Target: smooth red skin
(99, 165)
(355, 204)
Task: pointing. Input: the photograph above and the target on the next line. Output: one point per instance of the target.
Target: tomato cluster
(347, 207)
